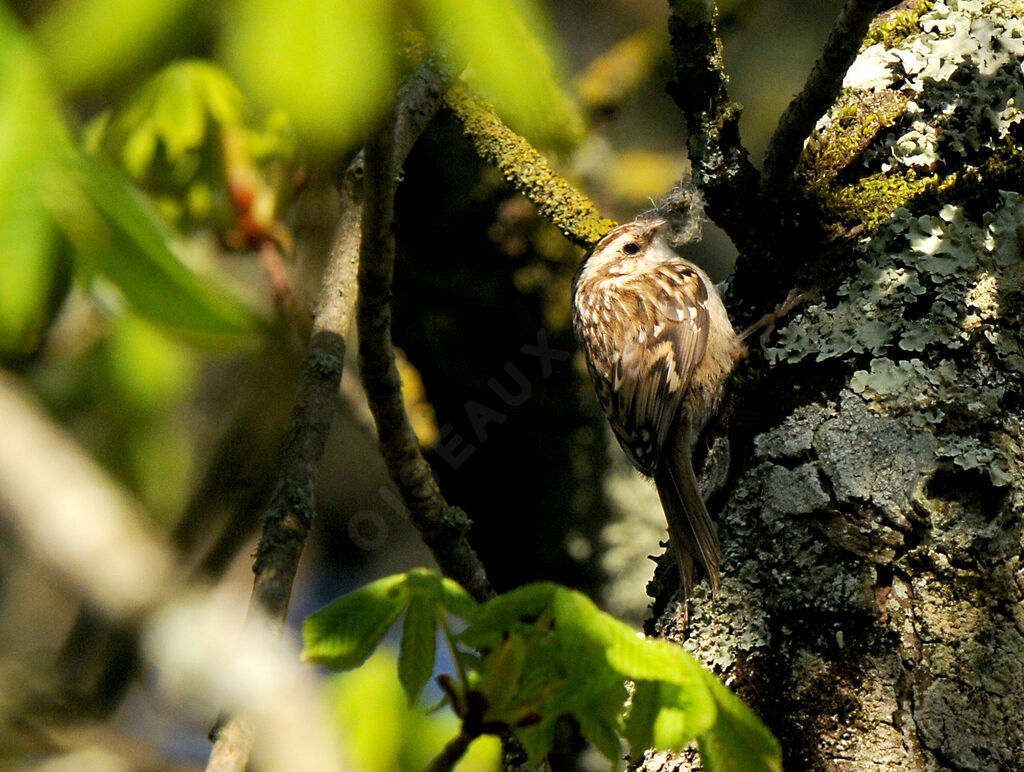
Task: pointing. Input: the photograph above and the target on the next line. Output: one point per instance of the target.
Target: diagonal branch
(819, 92)
(442, 527)
(557, 200)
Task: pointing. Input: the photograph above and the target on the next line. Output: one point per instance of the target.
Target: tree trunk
(871, 605)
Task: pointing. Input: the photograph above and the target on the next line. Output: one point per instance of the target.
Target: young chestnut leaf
(419, 645)
(344, 633)
(737, 740)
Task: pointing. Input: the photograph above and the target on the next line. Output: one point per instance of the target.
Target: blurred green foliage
(54, 196)
(507, 48)
(91, 43)
(381, 733)
(333, 64)
(127, 176)
(541, 652)
(188, 136)
(32, 142)
(329, 64)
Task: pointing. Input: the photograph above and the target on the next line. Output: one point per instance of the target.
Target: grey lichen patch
(956, 263)
(952, 93)
(724, 643)
(873, 458)
(792, 492)
(927, 288)
(793, 438)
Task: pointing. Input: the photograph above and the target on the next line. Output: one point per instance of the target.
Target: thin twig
(819, 92)
(452, 752)
(292, 504)
(442, 527)
(557, 200)
(721, 167)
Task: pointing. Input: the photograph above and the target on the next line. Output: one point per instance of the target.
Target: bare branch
(452, 752)
(290, 512)
(819, 92)
(443, 527)
(291, 508)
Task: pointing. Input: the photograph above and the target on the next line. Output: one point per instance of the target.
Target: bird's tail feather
(690, 527)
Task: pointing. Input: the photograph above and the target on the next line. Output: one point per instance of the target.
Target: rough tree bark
(872, 603)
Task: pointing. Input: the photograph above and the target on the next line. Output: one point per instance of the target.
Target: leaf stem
(454, 649)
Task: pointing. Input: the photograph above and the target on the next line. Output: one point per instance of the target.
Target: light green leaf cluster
(543, 652)
(56, 203)
(382, 733)
(343, 634)
(171, 113)
(188, 137)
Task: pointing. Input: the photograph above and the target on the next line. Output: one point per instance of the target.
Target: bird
(659, 347)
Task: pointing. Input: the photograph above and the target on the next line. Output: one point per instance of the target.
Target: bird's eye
(631, 248)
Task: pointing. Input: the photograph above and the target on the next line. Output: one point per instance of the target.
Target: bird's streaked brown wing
(641, 383)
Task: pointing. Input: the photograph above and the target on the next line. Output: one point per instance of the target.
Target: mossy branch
(557, 200)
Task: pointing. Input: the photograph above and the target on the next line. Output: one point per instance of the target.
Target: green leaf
(738, 741)
(644, 706)
(419, 645)
(545, 652)
(381, 732)
(329, 64)
(343, 634)
(90, 42)
(115, 231)
(500, 676)
(180, 113)
(32, 138)
(683, 683)
(602, 733)
(656, 721)
(512, 611)
(147, 369)
(30, 277)
(457, 601)
(173, 110)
